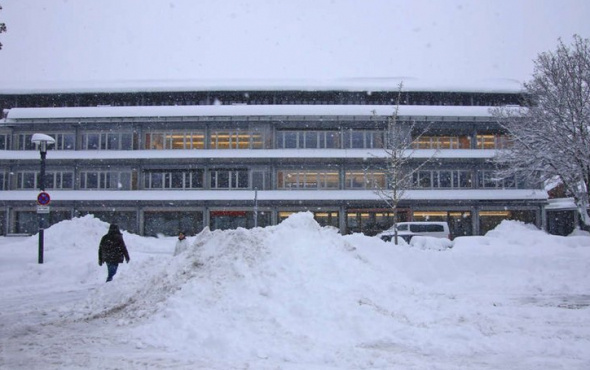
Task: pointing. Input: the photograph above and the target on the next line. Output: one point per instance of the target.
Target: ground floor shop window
(172, 222)
(28, 223)
(225, 220)
(327, 218)
(371, 222)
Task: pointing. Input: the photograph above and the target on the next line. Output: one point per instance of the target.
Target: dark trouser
(112, 270)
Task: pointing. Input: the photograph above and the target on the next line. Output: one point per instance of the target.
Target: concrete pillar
(206, 217)
(342, 220)
(475, 220)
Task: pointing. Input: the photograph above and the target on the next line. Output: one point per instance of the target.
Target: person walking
(112, 250)
(181, 244)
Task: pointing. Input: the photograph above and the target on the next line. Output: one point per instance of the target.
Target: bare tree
(551, 135)
(399, 152)
(2, 28)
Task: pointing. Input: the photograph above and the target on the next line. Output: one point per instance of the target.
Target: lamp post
(42, 141)
(255, 207)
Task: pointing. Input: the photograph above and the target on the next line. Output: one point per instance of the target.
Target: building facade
(186, 161)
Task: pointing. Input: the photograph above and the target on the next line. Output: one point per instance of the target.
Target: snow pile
(519, 233)
(294, 292)
(429, 242)
(297, 295)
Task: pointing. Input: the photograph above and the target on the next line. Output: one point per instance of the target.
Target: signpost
(43, 199)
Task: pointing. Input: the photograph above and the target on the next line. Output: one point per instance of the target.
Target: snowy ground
(296, 296)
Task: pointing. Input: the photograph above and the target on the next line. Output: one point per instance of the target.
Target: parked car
(407, 230)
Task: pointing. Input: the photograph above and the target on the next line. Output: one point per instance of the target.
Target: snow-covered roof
(246, 110)
(342, 84)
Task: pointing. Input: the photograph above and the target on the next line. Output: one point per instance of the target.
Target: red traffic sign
(43, 198)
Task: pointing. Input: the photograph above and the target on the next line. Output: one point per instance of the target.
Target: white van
(406, 230)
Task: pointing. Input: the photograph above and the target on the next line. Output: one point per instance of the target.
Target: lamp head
(42, 141)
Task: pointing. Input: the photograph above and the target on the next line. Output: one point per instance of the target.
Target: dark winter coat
(112, 248)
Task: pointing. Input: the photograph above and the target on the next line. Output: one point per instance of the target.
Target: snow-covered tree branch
(399, 151)
(551, 136)
(2, 28)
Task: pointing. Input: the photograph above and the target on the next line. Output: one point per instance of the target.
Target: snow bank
(304, 296)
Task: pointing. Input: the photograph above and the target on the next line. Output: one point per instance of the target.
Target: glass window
(23, 142)
(154, 179)
(332, 140)
(290, 140)
(355, 180)
(424, 179)
(126, 142)
(236, 140)
(124, 181)
(308, 139)
(301, 179)
(113, 141)
(105, 180)
(92, 141)
(27, 180)
(365, 179)
(241, 179)
(258, 140)
(354, 139)
(3, 142)
(444, 179)
(221, 179)
(441, 142)
(89, 180)
(69, 142)
(176, 180)
(377, 139)
(258, 180)
(66, 180)
(486, 179)
(493, 141)
(229, 179)
(154, 141)
(175, 140)
(196, 179)
(311, 139)
(171, 222)
(360, 139)
(330, 180)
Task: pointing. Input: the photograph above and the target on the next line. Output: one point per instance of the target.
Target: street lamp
(42, 141)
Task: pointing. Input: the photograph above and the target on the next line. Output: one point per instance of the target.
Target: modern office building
(160, 162)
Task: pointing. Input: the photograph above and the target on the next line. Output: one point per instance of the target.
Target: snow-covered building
(165, 161)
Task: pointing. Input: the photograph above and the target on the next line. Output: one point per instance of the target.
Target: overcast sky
(51, 44)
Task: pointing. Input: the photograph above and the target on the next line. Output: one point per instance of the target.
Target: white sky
(56, 44)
